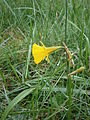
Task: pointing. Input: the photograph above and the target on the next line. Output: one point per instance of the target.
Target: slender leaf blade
(16, 100)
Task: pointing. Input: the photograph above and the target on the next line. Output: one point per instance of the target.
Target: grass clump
(30, 91)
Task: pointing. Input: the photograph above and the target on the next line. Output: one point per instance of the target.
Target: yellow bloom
(40, 52)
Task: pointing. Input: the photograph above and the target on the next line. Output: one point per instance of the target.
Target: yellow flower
(40, 52)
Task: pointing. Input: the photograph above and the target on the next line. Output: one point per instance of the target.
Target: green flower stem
(69, 95)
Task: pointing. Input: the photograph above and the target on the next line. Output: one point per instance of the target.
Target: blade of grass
(51, 102)
(16, 100)
(33, 107)
(64, 90)
(54, 113)
(34, 12)
(5, 93)
(81, 45)
(28, 58)
(66, 22)
(87, 55)
(87, 39)
(73, 3)
(51, 91)
(14, 70)
(68, 67)
(9, 8)
(69, 94)
(2, 75)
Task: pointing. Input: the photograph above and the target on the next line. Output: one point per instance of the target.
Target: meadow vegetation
(41, 92)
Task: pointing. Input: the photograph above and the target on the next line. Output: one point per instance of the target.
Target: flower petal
(38, 53)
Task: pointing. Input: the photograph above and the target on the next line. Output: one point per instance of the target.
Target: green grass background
(38, 92)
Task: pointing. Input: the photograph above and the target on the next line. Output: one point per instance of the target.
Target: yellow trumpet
(40, 52)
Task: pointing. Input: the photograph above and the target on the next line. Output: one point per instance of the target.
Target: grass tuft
(43, 91)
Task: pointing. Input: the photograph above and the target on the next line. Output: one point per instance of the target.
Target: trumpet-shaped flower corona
(40, 52)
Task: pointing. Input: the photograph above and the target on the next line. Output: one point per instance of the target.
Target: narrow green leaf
(14, 70)
(2, 75)
(28, 58)
(17, 99)
(87, 39)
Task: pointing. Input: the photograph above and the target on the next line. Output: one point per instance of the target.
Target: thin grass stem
(68, 68)
(66, 22)
(69, 94)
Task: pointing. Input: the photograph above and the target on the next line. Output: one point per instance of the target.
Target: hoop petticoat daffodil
(40, 52)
